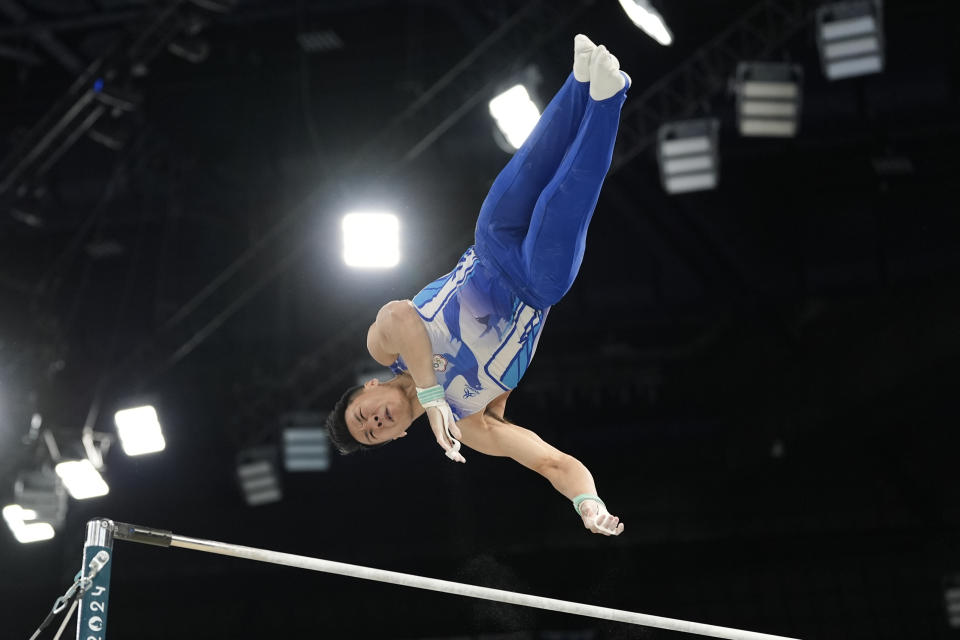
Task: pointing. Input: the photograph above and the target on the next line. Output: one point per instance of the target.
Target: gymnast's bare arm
(496, 437)
(399, 331)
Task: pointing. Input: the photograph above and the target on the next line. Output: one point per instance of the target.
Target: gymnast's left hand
(597, 519)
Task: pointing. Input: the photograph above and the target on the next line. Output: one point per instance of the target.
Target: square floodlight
(515, 113)
(41, 492)
(319, 41)
(23, 524)
(371, 240)
(139, 431)
(768, 98)
(306, 446)
(258, 476)
(82, 479)
(687, 154)
(850, 38)
(951, 600)
(306, 449)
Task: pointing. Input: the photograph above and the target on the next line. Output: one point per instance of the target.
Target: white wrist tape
(431, 396)
(434, 397)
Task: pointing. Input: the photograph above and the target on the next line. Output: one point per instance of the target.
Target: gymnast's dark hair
(337, 429)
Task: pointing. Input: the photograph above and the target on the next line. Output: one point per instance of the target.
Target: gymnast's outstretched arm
(494, 436)
(398, 330)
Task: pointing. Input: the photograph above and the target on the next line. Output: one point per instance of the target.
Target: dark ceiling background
(767, 398)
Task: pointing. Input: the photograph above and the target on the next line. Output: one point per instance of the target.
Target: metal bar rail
(101, 534)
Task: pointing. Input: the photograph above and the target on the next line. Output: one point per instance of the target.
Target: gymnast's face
(378, 413)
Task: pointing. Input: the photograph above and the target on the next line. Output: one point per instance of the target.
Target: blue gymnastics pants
(533, 222)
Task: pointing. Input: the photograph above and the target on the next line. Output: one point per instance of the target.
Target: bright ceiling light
(515, 114)
(25, 531)
(81, 479)
(371, 240)
(139, 430)
(642, 14)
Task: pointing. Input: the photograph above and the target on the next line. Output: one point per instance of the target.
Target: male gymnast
(462, 344)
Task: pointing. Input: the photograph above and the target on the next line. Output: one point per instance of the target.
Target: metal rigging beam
(768, 25)
(92, 21)
(513, 43)
(44, 37)
(86, 101)
(762, 30)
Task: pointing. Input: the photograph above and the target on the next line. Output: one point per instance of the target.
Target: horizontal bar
(135, 533)
(143, 535)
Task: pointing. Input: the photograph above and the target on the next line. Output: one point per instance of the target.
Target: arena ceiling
(762, 367)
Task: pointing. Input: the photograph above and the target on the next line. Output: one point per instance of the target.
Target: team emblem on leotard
(439, 362)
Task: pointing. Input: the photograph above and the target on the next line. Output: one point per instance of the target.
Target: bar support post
(92, 620)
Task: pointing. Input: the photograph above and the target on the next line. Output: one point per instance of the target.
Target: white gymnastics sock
(606, 79)
(582, 50)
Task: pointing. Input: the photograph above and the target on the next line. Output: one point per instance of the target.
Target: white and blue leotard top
(482, 335)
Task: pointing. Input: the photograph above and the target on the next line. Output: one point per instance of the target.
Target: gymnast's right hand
(446, 430)
(597, 519)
